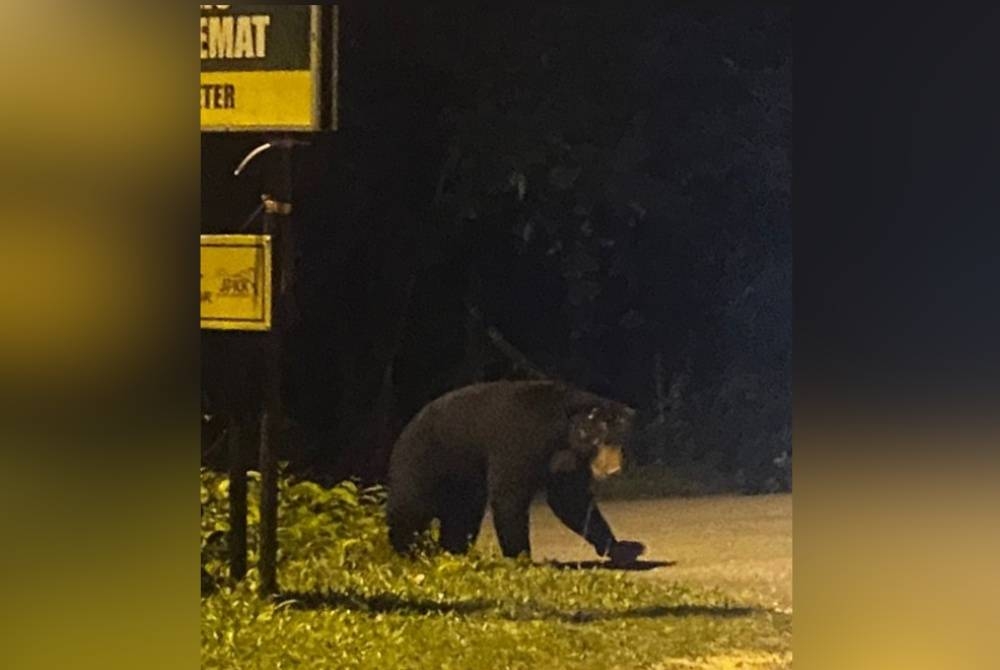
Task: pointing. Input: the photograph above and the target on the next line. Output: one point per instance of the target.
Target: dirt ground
(739, 544)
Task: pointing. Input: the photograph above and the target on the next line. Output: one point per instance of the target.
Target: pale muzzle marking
(607, 462)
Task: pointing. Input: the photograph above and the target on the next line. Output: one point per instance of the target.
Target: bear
(501, 443)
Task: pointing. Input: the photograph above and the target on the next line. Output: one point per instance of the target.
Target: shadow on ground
(387, 603)
(635, 566)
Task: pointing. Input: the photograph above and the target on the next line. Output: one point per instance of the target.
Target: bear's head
(598, 432)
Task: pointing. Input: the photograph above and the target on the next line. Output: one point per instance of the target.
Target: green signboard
(262, 66)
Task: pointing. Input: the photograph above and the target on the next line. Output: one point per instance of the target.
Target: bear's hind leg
(407, 516)
(461, 510)
(510, 517)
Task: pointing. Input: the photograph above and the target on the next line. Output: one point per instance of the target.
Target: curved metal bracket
(281, 144)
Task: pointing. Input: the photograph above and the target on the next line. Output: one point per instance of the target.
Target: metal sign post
(277, 223)
(235, 294)
(237, 502)
(264, 68)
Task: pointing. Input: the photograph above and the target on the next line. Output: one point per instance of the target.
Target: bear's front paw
(625, 552)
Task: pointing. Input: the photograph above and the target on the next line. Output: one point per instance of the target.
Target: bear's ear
(626, 418)
(562, 461)
(584, 415)
(585, 428)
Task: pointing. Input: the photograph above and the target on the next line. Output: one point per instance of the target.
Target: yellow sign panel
(257, 99)
(236, 282)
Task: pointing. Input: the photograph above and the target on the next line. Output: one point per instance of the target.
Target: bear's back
(484, 416)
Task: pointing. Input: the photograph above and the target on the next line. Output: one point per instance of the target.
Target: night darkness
(607, 189)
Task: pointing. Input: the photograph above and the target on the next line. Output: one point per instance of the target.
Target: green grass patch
(348, 601)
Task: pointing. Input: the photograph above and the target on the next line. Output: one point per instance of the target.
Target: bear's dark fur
(502, 442)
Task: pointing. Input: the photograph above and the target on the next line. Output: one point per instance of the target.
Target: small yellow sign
(236, 282)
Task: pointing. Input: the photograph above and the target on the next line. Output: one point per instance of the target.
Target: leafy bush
(344, 524)
(348, 601)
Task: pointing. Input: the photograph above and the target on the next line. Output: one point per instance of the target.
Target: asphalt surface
(739, 544)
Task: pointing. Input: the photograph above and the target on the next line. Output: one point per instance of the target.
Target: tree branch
(519, 360)
(446, 172)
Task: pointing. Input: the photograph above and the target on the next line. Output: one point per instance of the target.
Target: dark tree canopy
(608, 188)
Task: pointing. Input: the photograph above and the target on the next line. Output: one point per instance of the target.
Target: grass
(348, 601)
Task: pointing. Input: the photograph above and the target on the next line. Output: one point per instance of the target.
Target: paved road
(740, 544)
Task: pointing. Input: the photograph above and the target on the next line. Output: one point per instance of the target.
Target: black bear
(502, 442)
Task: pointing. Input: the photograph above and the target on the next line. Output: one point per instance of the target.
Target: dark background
(607, 190)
